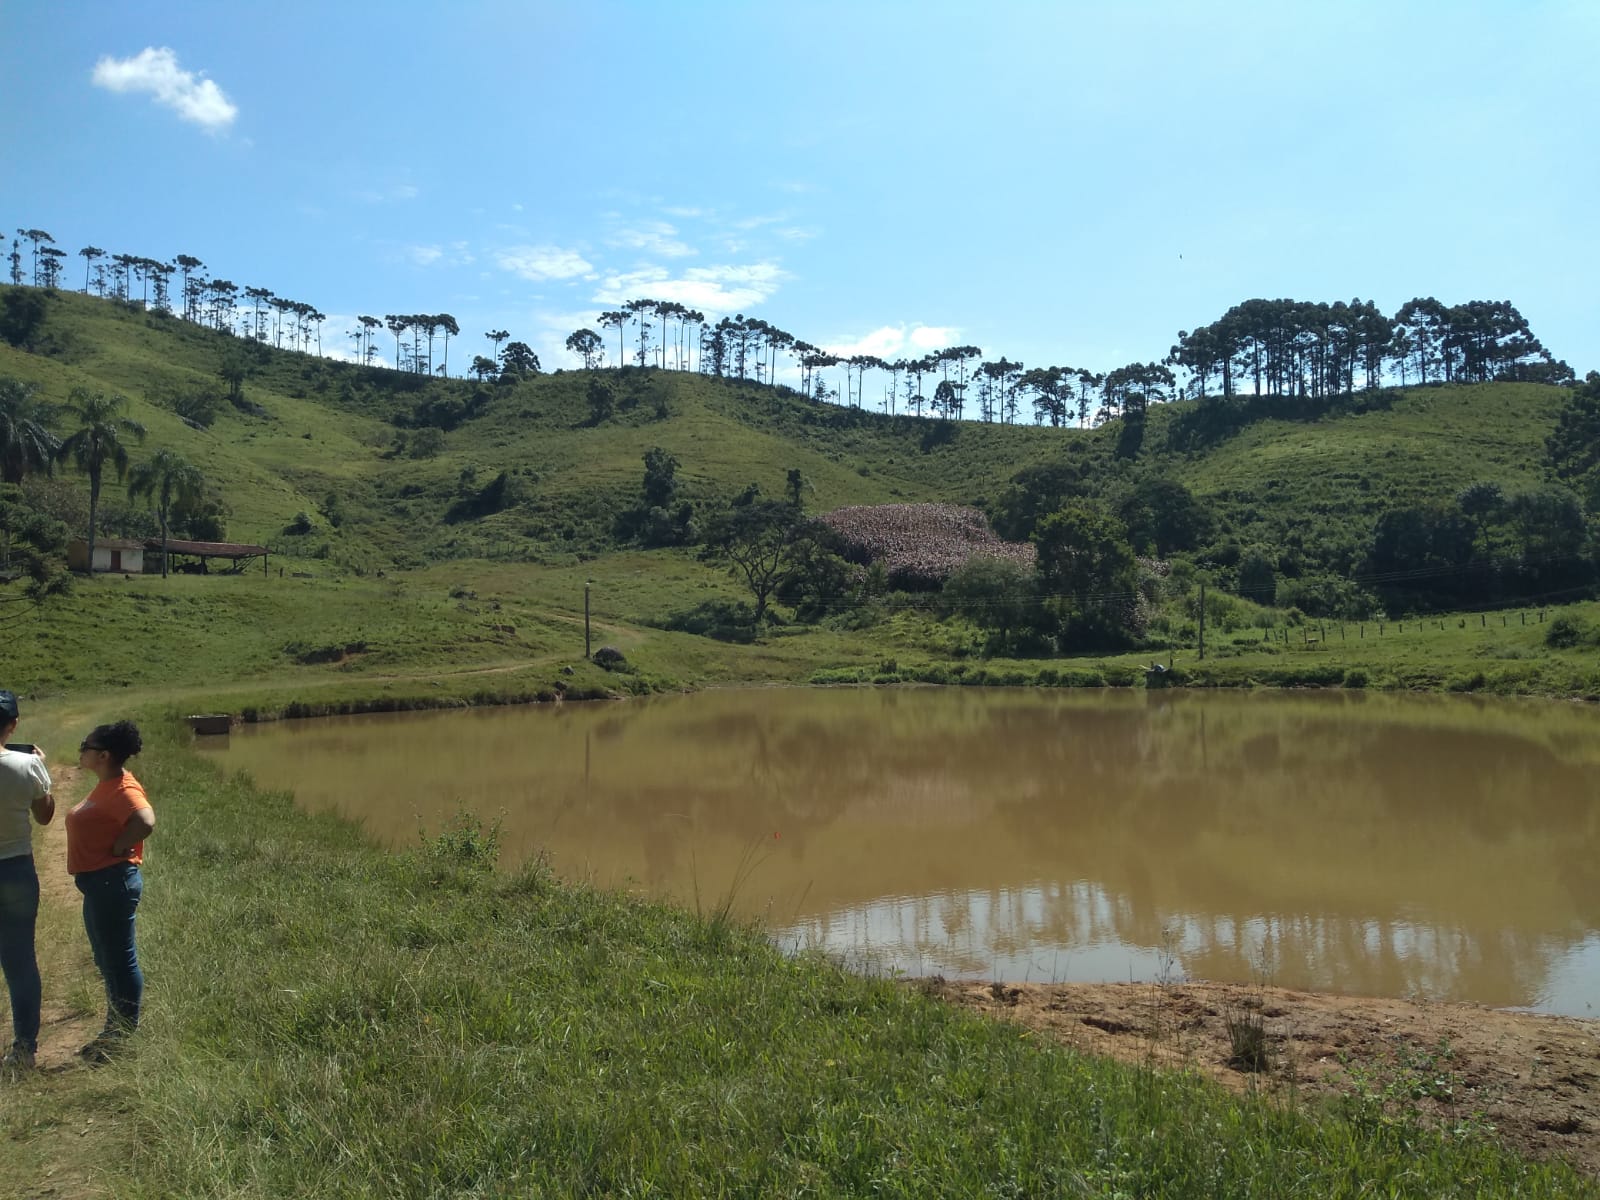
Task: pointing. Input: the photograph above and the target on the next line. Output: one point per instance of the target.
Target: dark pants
(110, 900)
(19, 909)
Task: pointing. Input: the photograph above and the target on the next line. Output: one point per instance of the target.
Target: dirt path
(1532, 1082)
(56, 1116)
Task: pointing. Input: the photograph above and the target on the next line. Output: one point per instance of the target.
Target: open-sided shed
(196, 556)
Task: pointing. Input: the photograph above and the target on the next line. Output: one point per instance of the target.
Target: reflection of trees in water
(1123, 796)
(1407, 840)
(967, 933)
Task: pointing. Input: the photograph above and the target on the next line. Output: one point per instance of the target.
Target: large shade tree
(166, 479)
(98, 442)
(586, 343)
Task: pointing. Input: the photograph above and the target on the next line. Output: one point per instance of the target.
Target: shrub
(609, 658)
(1355, 677)
(461, 855)
(839, 675)
(1567, 632)
(724, 620)
(1247, 1039)
(198, 407)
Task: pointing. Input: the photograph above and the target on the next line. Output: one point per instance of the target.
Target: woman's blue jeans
(110, 901)
(19, 910)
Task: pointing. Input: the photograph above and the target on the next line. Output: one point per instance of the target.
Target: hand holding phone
(22, 747)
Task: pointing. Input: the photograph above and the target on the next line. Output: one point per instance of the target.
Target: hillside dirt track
(1534, 1080)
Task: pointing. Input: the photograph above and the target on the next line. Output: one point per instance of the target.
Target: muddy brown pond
(1437, 847)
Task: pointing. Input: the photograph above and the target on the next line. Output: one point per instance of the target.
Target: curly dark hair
(121, 740)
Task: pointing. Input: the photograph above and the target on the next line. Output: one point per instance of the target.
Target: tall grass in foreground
(329, 1020)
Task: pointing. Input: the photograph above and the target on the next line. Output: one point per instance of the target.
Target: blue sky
(1063, 184)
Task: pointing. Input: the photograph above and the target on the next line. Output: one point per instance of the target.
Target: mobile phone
(22, 747)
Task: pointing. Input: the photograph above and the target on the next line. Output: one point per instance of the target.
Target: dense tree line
(1284, 348)
(1291, 348)
(1309, 351)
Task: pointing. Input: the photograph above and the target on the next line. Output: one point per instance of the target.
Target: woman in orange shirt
(105, 845)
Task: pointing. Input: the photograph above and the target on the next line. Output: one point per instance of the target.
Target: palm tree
(96, 442)
(167, 479)
(26, 444)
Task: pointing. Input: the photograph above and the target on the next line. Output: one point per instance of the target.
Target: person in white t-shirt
(24, 792)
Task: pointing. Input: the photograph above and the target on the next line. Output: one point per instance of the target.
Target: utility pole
(586, 584)
(1202, 621)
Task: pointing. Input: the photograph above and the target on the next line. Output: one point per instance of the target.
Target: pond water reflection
(1388, 845)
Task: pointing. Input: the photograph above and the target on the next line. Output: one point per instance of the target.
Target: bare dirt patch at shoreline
(1530, 1081)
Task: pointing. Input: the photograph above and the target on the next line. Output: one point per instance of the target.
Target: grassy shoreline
(327, 1019)
(486, 633)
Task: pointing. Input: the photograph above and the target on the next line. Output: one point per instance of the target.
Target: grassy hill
(453, 525)
(329, 427)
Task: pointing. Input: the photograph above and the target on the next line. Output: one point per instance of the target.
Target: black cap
(8, 705)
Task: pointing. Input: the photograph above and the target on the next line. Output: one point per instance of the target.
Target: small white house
(110, 554)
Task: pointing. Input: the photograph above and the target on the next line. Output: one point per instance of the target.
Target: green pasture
(325, 1019)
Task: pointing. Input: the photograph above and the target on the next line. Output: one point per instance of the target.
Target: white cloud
(451, 254)
(893, 341)
(404, 191)
(537, 263)
(156, 71)
(799, 233)
(711, 289)
(934, 337)
(653, 237)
